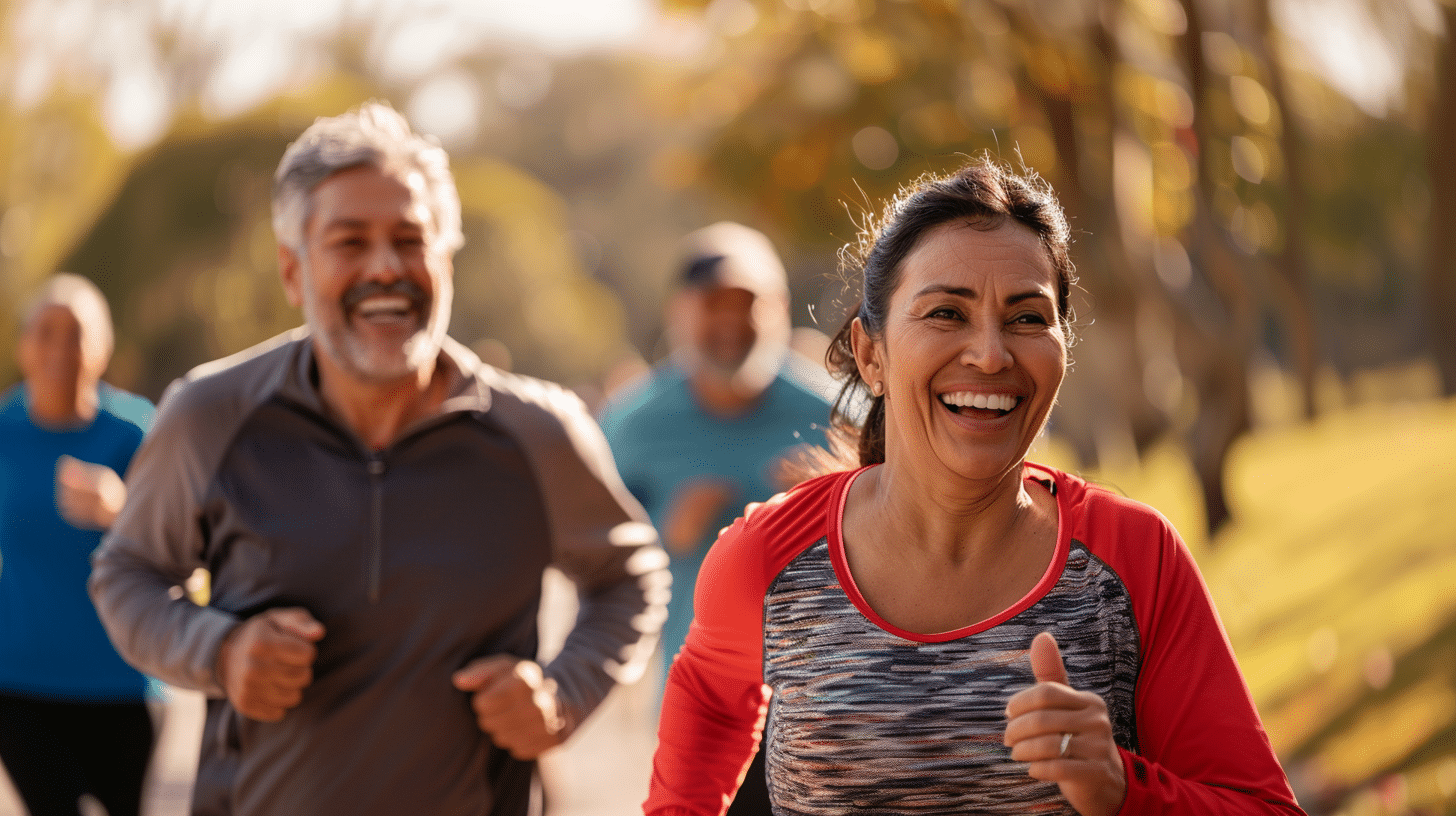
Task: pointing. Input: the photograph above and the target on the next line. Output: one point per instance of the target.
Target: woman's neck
(958, 519)
(937, 560)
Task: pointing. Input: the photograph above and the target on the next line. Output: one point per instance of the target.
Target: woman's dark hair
(984, 194)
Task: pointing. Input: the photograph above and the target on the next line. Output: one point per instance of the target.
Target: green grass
(1336, 582)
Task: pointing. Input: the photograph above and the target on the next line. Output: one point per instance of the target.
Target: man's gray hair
(373, 134)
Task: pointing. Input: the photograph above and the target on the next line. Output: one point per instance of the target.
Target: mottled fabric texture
(862, 718)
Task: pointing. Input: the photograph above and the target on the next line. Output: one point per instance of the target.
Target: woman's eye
(1030, 319)
(944, 313)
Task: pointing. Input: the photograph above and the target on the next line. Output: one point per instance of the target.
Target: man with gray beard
(712, 428)
(375, 507)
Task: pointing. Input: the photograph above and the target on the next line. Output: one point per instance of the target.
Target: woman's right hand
(1065, 735)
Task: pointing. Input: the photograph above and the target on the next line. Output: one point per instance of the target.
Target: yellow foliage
(870, 56)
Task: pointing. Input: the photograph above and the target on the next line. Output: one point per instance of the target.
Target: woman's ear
(866, 357)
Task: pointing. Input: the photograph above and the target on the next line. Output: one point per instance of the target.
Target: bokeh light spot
(875, 147)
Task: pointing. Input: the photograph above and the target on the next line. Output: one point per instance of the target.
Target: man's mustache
(408, 288)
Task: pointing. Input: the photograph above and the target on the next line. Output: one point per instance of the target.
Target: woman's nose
(986, 350)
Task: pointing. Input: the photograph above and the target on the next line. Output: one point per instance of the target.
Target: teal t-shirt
(662, 439)
(52, 644)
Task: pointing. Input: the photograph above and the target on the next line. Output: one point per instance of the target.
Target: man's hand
(515, 704)
(88, 495)
(1065, 735)
(695, 506)
(265, 663)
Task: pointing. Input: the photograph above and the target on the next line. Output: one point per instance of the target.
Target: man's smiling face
(374, 284)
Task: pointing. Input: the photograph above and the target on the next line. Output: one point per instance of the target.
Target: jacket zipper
(376, 468)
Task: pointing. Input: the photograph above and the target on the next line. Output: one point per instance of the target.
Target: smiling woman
(988, 199)
(971, 344)
(944, 627)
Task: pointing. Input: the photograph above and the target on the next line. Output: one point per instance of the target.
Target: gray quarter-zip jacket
(416, 559)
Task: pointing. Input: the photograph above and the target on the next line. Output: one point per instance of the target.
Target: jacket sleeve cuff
(201, 644)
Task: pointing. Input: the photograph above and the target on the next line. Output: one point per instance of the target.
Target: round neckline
(1048, 579)
(81, 425)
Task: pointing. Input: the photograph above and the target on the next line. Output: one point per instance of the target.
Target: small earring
(878, 388)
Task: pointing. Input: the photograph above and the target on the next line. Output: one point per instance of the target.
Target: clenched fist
(266, 662)
(515, 704)
(88, 495)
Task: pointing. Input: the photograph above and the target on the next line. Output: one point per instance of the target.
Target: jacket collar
(467, 390)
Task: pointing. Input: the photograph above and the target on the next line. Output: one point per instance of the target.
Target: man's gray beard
(355, 357)
(344, 348)
(750, 377)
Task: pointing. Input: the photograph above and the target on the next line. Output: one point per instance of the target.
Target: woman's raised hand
(1065, 735)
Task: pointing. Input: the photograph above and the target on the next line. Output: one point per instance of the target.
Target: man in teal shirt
(710, 429)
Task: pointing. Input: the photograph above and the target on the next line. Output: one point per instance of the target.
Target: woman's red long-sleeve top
(866, 717)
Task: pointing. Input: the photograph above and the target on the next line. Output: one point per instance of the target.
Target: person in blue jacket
(73, 715)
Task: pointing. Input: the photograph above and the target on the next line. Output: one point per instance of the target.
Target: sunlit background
(1264, 207)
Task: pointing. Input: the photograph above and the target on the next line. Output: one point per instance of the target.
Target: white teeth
(383, 303)
(994, 402)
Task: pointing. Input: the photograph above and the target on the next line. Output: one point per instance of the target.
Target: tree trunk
(1441, 263)
(1216, 343)
(1291, 268)
(1105, 412)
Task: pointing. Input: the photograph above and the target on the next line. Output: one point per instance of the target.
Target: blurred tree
(1440, 288)
(60, 168)
(1216, 344)
(185, 250)
(594, 137)
(1116, 402)
(1292, 264)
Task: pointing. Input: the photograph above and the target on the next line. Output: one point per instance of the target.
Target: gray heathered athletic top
(416, 559)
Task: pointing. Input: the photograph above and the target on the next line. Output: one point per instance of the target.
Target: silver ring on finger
(1066, 741)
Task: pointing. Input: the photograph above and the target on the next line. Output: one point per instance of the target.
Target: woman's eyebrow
(1032, 294)
(970, 294)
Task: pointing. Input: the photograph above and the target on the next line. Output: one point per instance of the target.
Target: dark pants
(752, 798)
(57, 751)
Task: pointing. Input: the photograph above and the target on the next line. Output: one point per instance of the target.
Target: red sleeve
(1202, 747)
(715, 701)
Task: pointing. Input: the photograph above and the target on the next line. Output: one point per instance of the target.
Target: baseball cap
(731, 255)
